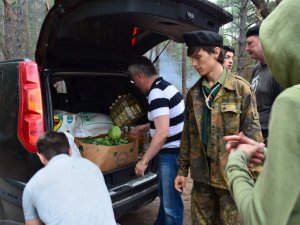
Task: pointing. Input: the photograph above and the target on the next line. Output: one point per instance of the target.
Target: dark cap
(253, 31)
(229, 49)
(203, 38)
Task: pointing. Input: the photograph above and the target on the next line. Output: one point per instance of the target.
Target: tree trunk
(151, 54)
(9, 31)
(1, 33)
(242, 38)
(157, 63)
(22, 45)
(184, 71)
(27, 27)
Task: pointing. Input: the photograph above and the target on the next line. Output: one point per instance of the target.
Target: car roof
(109, 33)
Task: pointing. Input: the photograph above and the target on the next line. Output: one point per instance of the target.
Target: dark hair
(53, 143)
(144, 65)
(228, 49)
(209, 49)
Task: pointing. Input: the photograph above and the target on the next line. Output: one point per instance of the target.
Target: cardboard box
(110, 157)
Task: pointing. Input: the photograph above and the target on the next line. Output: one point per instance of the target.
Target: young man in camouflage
(228, 57)
(217, 105)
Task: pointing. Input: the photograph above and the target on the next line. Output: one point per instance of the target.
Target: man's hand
(180, 183)
(34, 222)
(139, 130)
(140, 169)
(254, 150)
(234, 140)
(249, 150)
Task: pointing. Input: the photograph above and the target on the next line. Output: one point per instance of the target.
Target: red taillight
(134, 33)
(31, 117)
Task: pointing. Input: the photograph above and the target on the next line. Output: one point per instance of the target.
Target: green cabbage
(114, 132)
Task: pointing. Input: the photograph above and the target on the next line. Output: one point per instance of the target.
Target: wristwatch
(144, 162)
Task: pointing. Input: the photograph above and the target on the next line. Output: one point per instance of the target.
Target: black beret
(253, 31)
(203, 38)
(229, 49)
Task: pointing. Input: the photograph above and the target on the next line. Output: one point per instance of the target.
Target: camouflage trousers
(213, 206)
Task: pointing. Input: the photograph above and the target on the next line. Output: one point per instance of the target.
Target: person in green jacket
(219, 104)
(275, 197)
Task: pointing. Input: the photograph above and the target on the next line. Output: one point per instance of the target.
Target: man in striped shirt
(166, 107)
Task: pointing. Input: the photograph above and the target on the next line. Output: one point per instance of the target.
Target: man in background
(262, 81)
(228, 57)
(67, 190)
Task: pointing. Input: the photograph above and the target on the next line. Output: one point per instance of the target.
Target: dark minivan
(86, 45)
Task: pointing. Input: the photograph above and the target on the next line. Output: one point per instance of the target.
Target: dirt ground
(147, 214)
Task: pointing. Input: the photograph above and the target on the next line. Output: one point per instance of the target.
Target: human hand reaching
(139, 130)
(253, 149)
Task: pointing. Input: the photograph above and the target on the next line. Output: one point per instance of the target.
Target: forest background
(21, 20)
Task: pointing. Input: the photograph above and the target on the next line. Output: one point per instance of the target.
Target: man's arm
(34, 222)
(30, 213)
(160, 136)
(158, 140)
(185, 142)
(250, 124)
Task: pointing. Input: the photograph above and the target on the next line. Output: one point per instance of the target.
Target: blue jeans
(171, 206)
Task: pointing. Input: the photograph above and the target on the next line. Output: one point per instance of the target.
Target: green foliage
(107, 141)
(231, 31)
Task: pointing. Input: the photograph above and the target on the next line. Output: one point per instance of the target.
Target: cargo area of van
(89, 93)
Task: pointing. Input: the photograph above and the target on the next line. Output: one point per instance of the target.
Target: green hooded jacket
(275, 197)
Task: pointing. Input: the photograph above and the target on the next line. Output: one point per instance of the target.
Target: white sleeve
(29, 210)
(73, 146)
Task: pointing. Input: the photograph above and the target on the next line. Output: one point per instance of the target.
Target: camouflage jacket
(233, 110)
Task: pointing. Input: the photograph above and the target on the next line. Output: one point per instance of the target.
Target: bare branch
(262, 7)
(47, 6)
(245, 4)
(232, 36)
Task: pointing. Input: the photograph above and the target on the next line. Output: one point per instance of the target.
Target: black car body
(86, 44)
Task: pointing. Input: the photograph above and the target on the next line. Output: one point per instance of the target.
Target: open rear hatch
(107, 34)
(87, 44)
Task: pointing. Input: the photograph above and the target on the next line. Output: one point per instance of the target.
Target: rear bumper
(134, 194)
(136, 201)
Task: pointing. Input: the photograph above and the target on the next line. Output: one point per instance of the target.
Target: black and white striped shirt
(165, 99)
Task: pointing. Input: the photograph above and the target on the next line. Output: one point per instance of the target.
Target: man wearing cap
(220, 103)
(228, 57)
(262, 81)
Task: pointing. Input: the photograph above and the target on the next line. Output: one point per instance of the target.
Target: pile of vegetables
(113, 138)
